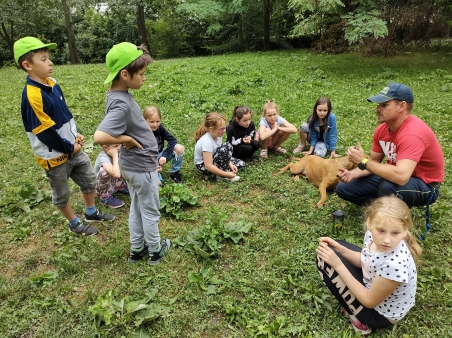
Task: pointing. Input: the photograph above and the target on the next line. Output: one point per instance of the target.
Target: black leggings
(243, 150)
(337, 287)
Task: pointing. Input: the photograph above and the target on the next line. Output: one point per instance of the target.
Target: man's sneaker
(176, 177)
(99, 216)
(357, 325)
(84, 229)
(226, 179)
(155, 257)
(136, 256)
(112, 202)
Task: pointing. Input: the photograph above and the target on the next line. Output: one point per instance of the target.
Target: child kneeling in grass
(124, 124)
(109, 178)
(212, 158)
(375, 284)
(174, 152)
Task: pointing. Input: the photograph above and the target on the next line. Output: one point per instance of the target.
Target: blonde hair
(212, 120)
(396, 210)
(269, 105)
(151, 111)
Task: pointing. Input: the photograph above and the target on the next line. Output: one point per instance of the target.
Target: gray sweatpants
(144, 212)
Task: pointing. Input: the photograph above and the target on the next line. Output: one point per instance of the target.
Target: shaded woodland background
(85, 29)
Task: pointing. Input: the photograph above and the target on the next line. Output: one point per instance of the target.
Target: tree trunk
(242, 47)
(142, 32)
(8, 37)
(70, 33)
(266, 13)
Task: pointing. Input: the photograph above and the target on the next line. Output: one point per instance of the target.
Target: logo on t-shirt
(390, 151)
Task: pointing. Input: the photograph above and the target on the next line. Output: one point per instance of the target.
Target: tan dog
(320, 171)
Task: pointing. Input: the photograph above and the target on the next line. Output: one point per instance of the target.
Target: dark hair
(315, 117)
(139, 63)
(212, 120)
(29, 56)
(239, 111)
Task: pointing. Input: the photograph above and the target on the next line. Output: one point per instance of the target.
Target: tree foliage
(174, 28)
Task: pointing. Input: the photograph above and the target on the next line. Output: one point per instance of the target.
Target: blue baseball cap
(393, 91)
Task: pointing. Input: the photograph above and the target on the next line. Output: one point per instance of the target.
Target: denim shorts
(79, 169)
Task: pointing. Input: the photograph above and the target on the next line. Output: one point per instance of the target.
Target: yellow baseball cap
(29, 43)
(119, 57)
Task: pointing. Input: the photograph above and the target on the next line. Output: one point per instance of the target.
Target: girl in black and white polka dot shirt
(375, 284)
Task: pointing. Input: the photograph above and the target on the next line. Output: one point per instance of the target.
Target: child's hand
(307, 153)
(326, 254)
(131, 144)
(233, 168)
(162, 161)
(246, 139)
(80, 139)
(112, 152)
(77, 148)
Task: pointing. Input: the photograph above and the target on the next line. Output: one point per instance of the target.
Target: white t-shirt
(206, 143)
(397, 265)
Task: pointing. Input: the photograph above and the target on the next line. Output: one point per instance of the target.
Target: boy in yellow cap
(123, 124)
(53, 135)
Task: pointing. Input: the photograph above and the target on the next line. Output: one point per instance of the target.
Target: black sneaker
(99, 216)
(176, 177)
(255, 158)
(136, 256)
(155, 257)
(124, 191)
(84, 229)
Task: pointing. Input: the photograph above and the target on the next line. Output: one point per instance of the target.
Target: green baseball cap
(29, 43)
(119, 57)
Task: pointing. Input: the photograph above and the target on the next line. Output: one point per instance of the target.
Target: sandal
(264, 153)
(300, 148)
(281, 150)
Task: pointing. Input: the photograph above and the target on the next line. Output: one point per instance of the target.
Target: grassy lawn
(54, 284)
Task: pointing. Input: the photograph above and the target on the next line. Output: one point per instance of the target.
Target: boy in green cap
(124, 124)
(51, 129)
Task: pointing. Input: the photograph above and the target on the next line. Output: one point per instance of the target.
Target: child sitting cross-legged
(212, 158)
(108, 176)
(174, 152)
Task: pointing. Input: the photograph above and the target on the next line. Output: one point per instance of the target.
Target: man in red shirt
(414, 165)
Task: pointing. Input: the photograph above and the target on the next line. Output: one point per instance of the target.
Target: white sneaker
(226, 179)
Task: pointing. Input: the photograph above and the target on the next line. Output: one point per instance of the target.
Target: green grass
(267, 285)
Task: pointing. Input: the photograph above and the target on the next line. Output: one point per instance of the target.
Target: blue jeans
(176, 163)
(362, 191)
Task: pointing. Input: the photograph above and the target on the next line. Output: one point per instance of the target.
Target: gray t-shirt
(206, 143)
(123, 116)
(100, 160)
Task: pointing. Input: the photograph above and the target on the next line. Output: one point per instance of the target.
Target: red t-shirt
(414, 140)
